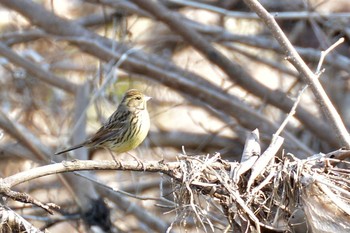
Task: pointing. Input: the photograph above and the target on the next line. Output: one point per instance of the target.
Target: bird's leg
(113, 157)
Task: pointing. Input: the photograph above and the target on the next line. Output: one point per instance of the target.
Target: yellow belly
(138, 138)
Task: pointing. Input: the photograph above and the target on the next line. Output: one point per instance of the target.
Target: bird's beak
(147, 98)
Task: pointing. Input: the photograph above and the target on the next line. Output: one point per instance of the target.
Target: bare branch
(309, 77)
(37, 71)
(83, 165)
(184, 81)
(247, 15)
(13, 130)
(325, 53)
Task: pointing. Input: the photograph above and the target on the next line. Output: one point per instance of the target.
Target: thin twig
(290, 114)
(325, 53)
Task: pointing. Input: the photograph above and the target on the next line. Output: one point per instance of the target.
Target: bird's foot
(139, 162)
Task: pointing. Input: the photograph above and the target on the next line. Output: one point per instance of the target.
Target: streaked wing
(106, 135)
(114, 127)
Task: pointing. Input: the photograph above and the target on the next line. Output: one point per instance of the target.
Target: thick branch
(309, 77)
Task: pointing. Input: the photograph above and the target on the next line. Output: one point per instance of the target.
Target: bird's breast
(139, 127)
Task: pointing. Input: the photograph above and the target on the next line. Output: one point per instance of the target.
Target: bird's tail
(70, 148)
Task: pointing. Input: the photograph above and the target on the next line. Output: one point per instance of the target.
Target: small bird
(125, 129)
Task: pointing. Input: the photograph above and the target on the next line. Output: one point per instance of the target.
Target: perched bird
(125, 129)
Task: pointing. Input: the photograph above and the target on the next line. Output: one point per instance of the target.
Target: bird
(125, 129)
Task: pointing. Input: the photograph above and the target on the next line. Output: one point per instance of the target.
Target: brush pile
(268, 192)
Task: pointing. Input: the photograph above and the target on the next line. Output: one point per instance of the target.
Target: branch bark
(84, 165)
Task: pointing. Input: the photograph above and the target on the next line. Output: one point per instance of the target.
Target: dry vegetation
(216, 71)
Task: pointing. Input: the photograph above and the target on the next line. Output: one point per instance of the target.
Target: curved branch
(84, 165)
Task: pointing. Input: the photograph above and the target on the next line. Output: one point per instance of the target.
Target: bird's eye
(138, 98)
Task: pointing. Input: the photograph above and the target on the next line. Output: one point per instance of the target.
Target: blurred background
(65, 65)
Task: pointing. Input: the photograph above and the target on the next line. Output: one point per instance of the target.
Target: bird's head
(135, 100)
